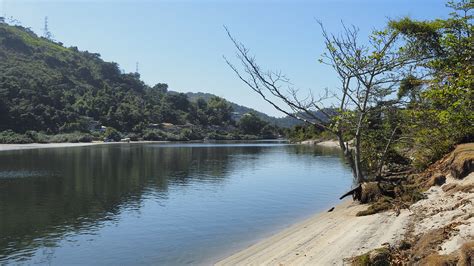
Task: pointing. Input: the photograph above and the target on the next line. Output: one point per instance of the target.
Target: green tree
(444, 113)
(219, 112)
(251, 124)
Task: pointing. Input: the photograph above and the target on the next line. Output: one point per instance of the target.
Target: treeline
(47, 89)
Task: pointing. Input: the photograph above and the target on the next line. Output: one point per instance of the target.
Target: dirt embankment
(440, 227)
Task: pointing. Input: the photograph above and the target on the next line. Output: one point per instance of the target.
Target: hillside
(239, 110)
(48, 88)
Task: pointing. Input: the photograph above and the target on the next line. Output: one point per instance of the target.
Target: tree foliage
(441, 112)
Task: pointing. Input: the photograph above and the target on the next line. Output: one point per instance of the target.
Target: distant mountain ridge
(239, 110)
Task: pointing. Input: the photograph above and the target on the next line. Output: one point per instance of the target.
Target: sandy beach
(10, 147)
(325, 143)
(325, 239)
(330, 238)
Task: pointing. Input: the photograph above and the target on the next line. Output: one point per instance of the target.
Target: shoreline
(30, 146)
(332, 238)
(324, 143)
(322, 238)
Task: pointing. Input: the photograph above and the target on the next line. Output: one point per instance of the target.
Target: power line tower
(46, 33)
(136, 68)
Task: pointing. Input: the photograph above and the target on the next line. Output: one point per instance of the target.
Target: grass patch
(382, 204)
(376, 257)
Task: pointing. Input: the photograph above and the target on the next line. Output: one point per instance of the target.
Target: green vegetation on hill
(48, 88)
(239, 111)
(286, 122)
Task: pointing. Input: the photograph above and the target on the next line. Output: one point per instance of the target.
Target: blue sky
(182, 42)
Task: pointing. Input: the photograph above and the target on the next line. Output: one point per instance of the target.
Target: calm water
(166, 204)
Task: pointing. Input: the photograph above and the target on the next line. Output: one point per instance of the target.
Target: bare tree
(368, 74)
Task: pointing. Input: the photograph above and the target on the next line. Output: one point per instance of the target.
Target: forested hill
(239, 111)
(49, 88)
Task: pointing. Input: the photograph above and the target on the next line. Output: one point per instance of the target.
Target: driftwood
(355, 192)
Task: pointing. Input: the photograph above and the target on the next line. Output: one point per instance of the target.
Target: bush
(112, 134)
(37, 137)
(189, 134)
(216, 136)
(154, 135)
(133, 136)
(11, 137)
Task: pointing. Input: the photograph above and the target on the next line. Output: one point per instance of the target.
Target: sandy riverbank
(11, 147)
(330, 238)
(325, 143)
(324, 239)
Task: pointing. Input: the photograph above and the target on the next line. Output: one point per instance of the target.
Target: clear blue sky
(182, 42)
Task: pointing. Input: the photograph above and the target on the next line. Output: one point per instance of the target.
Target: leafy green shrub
(189, 134)
(37, 137)
(213, 135)
(173, 137)
(133, 136)
(71, 137)
(9, 136)
(154, 135)
(112, 134)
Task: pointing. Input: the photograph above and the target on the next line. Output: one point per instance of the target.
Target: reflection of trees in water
(81, 187)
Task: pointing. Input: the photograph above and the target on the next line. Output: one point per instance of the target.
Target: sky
(182, 43)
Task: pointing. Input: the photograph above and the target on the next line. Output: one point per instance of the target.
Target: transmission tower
(46, 33)
(136, 68)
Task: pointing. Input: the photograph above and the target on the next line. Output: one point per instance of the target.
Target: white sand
(329, 143)
(326, 143)
(325, 239)
(10, 147)
(443, 208)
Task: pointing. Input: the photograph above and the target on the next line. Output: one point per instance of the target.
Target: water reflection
(47, 195)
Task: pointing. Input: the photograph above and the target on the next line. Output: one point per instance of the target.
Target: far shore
(29, 146)
(324, 143)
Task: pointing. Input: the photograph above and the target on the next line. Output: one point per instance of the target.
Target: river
(166, 204)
